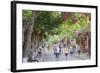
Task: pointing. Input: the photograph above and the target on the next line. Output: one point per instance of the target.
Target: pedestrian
(66, 51)
(78, 47)
(39, 51)
(56, 50)
(71, 50)
(60, 48)
(40, 54)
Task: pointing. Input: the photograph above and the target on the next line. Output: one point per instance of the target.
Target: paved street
(51, 57)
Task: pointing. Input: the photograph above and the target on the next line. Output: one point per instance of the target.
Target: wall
(5, 36)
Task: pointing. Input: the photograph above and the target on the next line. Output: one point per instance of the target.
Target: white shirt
(58, 49)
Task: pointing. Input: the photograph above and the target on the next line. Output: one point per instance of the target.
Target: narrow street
(46, 57)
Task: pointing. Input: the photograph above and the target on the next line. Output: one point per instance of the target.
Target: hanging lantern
(65, 16)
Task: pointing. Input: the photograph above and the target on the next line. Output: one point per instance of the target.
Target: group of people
(57, 49)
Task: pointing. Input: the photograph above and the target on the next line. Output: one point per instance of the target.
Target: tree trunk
(27, 39)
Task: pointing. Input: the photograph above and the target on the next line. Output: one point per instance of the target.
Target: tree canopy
(56, 25)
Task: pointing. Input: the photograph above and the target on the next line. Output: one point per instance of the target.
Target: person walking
(40, 53)
(78, 49)
(66, 51)
(56, 50)
(71, 50)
